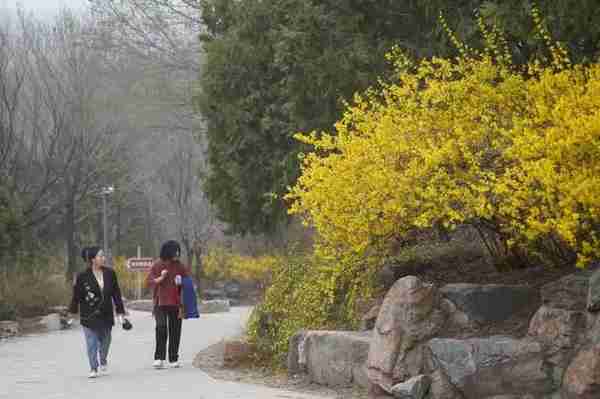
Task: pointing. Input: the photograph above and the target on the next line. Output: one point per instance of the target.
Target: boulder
(214, 306)
(593, 298)
(335, 358)
(410, 314)
(582, 378)
(409, 364)
(497, 365)
(569, 292)
(415, 388)
(51, 322)
(367, 322)
(457, 319)
(490, 302)
(442, 388)
(593, 328)
(558, 329)
(8, 328)
(295, 365)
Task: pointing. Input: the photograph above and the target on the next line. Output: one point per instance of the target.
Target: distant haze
(43, 7)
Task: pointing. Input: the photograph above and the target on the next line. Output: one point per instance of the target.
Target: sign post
(140, 265)
(139, 275)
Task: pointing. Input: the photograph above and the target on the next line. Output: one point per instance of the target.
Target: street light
(106, 191)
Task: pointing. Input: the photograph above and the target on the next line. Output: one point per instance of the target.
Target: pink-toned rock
(442, 388)
(367, 322)
(557, 328)
(582, 378)
(409, 315)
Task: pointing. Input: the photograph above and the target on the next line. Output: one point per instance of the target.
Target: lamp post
(106, 191)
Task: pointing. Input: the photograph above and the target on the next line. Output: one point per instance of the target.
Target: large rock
(593, 328)
(593, 298)
(558, 329)
(335, 358)
(491, 302)
(409, 364)
(8, 328)
(457, 319)
(367, 322)
(295, 365)
(51, 322)
(442, 388)
(498, 365)
(582, 378)
(414, 388)
(410, 314)
(569, 292)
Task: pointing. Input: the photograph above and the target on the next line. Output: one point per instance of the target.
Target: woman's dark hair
(170, 250)
(89, 253)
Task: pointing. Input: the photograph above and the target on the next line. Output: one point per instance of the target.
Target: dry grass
(32, 293)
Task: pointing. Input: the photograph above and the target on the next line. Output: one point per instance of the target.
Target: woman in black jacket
(94, 292)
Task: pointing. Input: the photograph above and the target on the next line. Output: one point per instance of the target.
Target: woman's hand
(163, 275)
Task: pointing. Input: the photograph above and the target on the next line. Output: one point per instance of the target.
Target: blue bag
(190, 302)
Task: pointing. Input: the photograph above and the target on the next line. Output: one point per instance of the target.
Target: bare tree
(66, 143)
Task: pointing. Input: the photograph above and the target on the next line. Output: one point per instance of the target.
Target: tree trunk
(117, 251)
(69, 228)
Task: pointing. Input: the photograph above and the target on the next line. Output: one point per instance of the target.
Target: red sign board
(140, 264)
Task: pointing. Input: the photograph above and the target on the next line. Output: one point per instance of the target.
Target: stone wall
(411, 353)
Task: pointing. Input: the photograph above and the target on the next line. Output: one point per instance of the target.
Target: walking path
(54, 365)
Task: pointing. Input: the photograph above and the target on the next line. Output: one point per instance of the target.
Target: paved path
(54, 366)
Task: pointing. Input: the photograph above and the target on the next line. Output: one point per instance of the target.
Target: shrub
(309, 291)
(128, 281)
(472, 140)
(8, 311)
(221, 264)
(33, 294)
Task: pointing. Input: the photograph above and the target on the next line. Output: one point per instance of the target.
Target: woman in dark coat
(94, 292)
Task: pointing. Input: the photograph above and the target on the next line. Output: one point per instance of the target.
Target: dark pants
(168, 324)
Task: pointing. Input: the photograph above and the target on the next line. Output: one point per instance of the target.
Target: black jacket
(96, 306)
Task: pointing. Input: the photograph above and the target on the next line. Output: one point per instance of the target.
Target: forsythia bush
(466, 140)
(220, 264)
(128, 280)
(309, 292)
(512, 150)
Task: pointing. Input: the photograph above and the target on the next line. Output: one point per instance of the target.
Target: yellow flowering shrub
(309, 291)
(222, 264)
(216, 263)
(466, 140)
(128, 280)
(511, 150)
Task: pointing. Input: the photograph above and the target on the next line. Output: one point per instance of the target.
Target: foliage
(8, 311)
(221, 264)
(10, 228)
(32, 289)
(309, 292)
(273, 68)
(471, 140)
(128, 281)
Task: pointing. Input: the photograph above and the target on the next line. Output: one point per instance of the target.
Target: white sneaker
(93, 374)
(158, 364)
(174, 365)
(104, 370)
